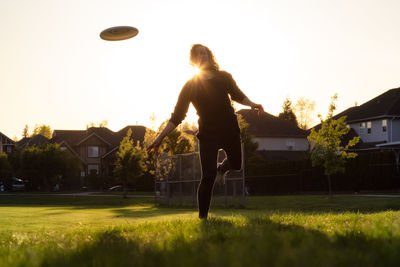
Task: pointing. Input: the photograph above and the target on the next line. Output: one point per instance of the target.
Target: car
(116, 188)
(17, 184)
(120, 188)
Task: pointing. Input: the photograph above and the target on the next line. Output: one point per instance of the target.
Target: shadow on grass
(278, 204)
(147, 212)
(323, 204)
(220, 242)
(144, 207)
(79, 202)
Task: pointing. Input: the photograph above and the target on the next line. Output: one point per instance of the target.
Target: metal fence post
(167, 185)
(243, 178)
(180, 181)
(194, 180)
(155, 180)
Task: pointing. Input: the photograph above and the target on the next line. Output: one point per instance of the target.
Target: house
(376, 122)
(277, 139)
(6, 144)
(96, 146)
(36, 140)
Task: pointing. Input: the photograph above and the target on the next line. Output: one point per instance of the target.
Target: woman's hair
(213, 62)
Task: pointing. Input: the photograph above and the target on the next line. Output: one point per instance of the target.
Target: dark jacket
(212, 101)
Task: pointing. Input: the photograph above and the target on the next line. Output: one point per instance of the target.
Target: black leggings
(208, 159)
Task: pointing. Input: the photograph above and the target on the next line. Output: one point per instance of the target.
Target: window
(93, 151)
(9, 149)
(384, 125)
(362, 127)
(290, 144)
(369, 127)
(93, 168)
(63, 148)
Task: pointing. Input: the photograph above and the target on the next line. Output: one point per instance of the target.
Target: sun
(196, 70)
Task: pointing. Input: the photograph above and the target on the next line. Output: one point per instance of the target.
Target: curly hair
(213, 62)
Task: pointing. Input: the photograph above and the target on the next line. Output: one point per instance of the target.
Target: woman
(210, 92)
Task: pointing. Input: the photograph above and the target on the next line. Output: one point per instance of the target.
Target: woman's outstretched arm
(156, 144)
(247, 102)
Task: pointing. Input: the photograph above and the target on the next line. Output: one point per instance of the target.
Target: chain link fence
(177, 178)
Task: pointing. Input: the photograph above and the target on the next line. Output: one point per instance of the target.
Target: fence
(177, 178)
(368, 172)
(177, 185)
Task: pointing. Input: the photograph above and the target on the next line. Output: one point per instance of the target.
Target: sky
(55, 70)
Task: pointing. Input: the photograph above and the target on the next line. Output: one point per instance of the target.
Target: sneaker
(220, 178)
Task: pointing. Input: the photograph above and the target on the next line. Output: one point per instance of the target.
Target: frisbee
(119, 33)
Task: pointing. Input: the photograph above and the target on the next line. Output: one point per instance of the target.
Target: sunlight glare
(196, 70)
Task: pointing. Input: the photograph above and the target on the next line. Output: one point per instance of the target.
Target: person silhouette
(210, 92)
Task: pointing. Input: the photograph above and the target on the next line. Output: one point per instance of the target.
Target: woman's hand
(259, 108)
(153, 148)
(247, 102)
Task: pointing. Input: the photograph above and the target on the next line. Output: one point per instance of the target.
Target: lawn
(272, 231)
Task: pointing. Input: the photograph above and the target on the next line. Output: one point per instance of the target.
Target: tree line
(40, 167)
(45, 166)
(301, 114)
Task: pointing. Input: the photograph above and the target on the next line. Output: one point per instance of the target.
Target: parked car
(17, 184)
(116, 188)
(120, 188)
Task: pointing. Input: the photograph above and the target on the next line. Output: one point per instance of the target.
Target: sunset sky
(55, 70)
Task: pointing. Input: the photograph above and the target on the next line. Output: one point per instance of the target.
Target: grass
(272, 231)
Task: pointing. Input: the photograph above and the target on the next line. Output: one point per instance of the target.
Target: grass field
(60, 230)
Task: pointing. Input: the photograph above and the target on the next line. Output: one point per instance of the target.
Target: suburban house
(36, 140)
(6, 144)
(376, 122)
(96, 146)
(277, 139)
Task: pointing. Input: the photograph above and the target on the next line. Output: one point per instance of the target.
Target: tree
(176, 142)
(251, 157)
(31, 167)
(45, 166)
(130, 161)
(5, 169)
(304, 109)
(25, 132)
(153, 119)
(328, 150)
(44, 130)
(189, 131)
(287, 113)
(187, 127)
(101, 124)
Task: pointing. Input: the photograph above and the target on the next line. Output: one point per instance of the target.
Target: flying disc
(119, 33)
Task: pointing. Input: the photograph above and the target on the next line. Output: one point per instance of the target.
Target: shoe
(221, 176)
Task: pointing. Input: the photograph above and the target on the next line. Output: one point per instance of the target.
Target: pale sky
(55, 70)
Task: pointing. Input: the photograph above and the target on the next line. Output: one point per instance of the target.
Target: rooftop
(268, 125)
(384, 105)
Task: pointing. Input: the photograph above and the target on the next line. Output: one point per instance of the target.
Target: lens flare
(196, 70)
